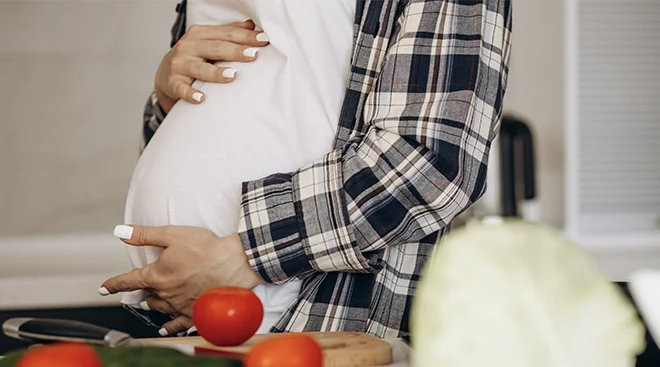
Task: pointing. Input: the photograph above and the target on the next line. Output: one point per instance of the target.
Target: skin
(172, 282)
(185, 62)
(173, 285)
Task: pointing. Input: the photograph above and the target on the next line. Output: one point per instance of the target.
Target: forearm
(166, 103)
(338, 214)
(158, 104)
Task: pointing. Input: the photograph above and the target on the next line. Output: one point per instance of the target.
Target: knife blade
(43, 330)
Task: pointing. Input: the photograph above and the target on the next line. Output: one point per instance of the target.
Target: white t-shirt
(279, 114)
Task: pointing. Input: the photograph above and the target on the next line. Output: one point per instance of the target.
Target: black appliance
(516, 165)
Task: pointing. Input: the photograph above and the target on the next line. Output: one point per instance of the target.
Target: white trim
(571, 119)
(66, 271)
(621, 242)
(58, 271)
(54, 292)
(619, 256)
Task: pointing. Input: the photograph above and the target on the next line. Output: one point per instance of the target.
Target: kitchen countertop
(400, 354)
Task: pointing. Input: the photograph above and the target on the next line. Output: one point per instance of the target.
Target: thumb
(143, 235)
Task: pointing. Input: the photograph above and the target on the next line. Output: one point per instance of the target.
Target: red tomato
(285, 351)
(60, 355)
(227, 316)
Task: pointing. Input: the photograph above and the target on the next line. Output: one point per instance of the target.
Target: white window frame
(618, 255)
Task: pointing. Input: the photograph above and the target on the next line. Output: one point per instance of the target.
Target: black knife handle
(49, 330)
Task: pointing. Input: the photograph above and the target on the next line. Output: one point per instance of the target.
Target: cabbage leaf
(517, 294)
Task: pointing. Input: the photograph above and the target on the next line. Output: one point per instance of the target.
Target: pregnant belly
(268, 120)
(192, 170)
(186, 181)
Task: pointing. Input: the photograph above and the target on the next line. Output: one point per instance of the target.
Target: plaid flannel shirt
(422, 106)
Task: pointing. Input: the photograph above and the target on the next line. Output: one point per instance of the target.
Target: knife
(58, 330)
(44, 331)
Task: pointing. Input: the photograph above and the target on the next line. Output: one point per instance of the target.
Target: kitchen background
(75, 75)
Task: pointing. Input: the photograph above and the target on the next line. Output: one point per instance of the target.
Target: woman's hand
(193, 261)
(186, 61)
(180, 326)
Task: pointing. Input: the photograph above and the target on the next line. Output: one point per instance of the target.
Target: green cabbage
(516, 294)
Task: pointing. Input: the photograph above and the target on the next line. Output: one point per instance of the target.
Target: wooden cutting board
(340, 349)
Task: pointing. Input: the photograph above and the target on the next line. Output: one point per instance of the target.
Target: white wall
(75, 75)
(535, 94)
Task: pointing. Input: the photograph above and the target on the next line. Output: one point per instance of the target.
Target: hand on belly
(193, 260)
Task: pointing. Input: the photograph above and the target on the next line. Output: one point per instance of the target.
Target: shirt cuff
(295, 224)
(270, 232)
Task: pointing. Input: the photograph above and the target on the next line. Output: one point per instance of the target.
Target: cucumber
(143, 357)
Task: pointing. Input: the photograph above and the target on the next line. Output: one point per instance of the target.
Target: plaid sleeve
(431, 115)
(153, 112)
(152, 118)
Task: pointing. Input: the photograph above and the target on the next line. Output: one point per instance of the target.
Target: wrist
(252, 278)
(246, 276)
(165, 102)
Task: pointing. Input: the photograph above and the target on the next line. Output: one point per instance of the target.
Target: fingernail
(103, 291)
(191, 330)
(262, 37)
(197, 96)
(229, 73)
(183, 333)
(250, 52)
(245, 20)
(144, 305)
(124, 232)
(163, 332)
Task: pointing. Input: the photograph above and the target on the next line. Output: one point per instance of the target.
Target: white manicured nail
(103, 291)
(250, 52)
(229, 73)
(197, 96)
(191, 330)
(144, 305)
(163, 332)
(262, 37)
(124, 232)
(245, 20)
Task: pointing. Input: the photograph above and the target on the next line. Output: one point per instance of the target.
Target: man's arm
(431, 119)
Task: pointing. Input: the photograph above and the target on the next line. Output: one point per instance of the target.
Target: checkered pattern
(422, 106)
